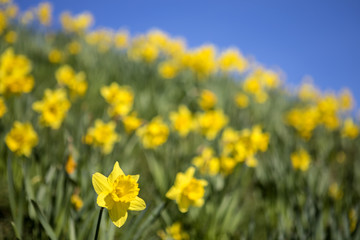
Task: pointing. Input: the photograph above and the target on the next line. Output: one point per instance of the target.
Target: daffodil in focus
(102, 135)
(207, 99)
(301, 160)
(187, 190)
(118, 193)
(154, 133)
(53, 108)
(21, 139)
(182, 121)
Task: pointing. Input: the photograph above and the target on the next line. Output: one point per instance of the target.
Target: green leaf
(48, 229)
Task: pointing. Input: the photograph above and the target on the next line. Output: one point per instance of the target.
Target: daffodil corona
(118, 193)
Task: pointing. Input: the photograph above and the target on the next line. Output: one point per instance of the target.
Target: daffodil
(21, 139)
(187, 190)
(118, 193)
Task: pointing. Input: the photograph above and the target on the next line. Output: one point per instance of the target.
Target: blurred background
(317, 39)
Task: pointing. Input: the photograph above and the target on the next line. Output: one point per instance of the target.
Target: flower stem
(98, 224)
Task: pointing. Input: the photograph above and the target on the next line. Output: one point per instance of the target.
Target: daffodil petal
(172, 193)
(137, 205)
(105, 200)
(115, 173)
(118, 214)
(135, 177)
(100, 183)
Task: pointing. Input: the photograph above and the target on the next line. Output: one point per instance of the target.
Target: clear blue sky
(302, 37)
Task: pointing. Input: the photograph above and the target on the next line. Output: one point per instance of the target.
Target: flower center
(125, 189)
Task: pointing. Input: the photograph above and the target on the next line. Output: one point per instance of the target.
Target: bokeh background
(317, 39)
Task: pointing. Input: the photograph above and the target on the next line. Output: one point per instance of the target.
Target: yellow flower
(44, 13)
(11, 37)
(14, 73)
(241, 100)
(121, 39)
(70, 165)
(201, 61)
(154, 133)
(118, 193)
(115, 94)
(187, 190)
(259, 140)
(21, 139)
(304, 120)
(207, 100)
(353, 219)
(350, 130)
(76, 82)
(207, 163)
(3, 108)
(168, 69)
(131, 122)
(76, 201)
(301, 160)
(232, 60)
(308, 92)
(174, 232)
(227, 165)
(182, 121)
(55, 56)
(346, 101)
(53, 108)
(74, 47)
(78, 23)
(251, 161)
(211, 122)
(103, 135)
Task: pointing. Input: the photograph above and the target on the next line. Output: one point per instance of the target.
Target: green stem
(98, 224)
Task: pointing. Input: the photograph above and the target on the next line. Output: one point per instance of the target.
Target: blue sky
(303, 37)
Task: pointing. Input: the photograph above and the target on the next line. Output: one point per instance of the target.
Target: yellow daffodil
(175, 232)
(14, 73)
(182, 121)
(187, 190)
(211, 122)
(301, 160)
(154, 133)
(241, 100)
(131, 122)
(44, 13)
(207, 162)
(207, 99)
(118, 193)
(21, 139)
(102, 135)
(350, 129)
(53, 108)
